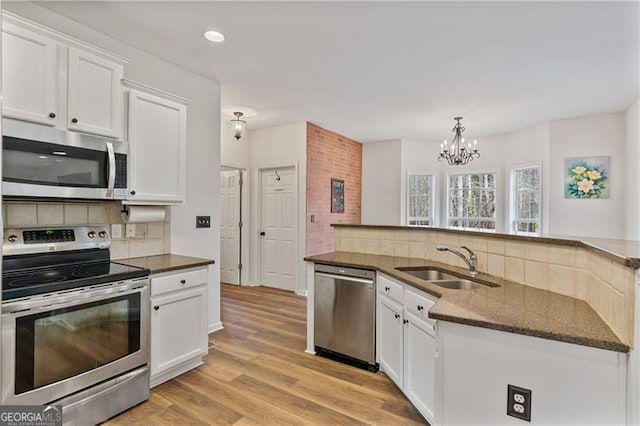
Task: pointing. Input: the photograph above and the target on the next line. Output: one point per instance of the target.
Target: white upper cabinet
(52, 79)
(29, 75)
(157, 149)
(95, 95)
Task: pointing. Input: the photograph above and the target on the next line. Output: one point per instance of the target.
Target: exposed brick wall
(330, 155)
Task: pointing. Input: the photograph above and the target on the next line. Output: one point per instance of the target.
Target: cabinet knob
(52, 115)
(262, 234)
(183, 281)
(420, 307)
(91, 234)
(387, 288)
(133, 192)
(74, 120)
(102, 234)
(397, 316)
(155, 308)
(405, 321)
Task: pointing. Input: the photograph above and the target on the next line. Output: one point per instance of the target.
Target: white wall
(278, 147)
(595, 135)
(632, 157)
(381, 183)
(203, 138)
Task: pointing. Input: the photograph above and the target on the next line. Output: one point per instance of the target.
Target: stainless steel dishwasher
(345, 315)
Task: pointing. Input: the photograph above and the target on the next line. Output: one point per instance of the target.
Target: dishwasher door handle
(344, 278)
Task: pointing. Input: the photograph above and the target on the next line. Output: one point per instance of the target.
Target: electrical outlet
(203, 221)
(131, 230)
(519, 402)
(116, 230)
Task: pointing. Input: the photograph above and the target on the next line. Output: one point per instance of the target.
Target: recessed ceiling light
(213, 36)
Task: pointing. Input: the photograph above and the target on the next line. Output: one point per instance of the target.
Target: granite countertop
(507, 306)
(625, 252)
(165, 262)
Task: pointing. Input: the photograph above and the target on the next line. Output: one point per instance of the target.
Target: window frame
(434, 189)
(495, 220)
(512, 199)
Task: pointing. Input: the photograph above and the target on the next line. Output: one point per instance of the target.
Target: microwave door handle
(111, 180)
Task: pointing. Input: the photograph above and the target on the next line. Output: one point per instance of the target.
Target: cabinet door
(419, 363)
(95, 95)
(29, 75)
(178, 328)
(390, 338)
(157, 138)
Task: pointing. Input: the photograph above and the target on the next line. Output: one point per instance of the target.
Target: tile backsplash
(151, 238)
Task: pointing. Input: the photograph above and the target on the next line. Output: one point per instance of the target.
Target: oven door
(44, 162)
(58, 345)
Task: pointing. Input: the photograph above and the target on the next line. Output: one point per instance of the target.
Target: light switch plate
(116, 230)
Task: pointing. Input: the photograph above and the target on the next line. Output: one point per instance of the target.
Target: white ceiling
(387, 70)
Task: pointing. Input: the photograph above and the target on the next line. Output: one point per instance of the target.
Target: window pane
(525, 195)
(472, 200)
(420, 196)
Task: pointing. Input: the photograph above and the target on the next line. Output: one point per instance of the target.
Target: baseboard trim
(301, 293)
(215, 327)
(307, 351)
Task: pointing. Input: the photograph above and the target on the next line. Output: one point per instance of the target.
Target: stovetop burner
(36, 279)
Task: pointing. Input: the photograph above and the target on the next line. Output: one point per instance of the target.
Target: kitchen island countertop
(508, 306)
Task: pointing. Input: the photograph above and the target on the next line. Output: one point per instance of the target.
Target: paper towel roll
(140, 214)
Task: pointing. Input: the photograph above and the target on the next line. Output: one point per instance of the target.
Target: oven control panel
(48, 236)
(56, 238)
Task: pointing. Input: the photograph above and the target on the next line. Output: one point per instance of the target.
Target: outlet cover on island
(116, 230)
(131, 230)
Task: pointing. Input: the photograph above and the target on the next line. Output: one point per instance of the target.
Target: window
(472, 201)
(525, 200)
(420, 199)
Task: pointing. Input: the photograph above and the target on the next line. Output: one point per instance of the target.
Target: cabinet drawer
(418, 303)
(390, 288)
(166, 283)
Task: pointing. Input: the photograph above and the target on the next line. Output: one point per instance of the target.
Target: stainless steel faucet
(472, 262)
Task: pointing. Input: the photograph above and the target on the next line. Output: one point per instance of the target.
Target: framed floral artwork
(587, 177)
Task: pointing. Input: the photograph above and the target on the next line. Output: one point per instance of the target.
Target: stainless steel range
(75, 326)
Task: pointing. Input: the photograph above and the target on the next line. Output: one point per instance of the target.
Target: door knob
(262, 234)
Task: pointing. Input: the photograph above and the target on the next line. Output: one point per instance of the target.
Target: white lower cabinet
(389, 334)
(406, 339)
(178, 323)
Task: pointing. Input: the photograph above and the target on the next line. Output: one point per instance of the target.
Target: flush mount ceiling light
(213, 36)
(459, 153)
(238, 125)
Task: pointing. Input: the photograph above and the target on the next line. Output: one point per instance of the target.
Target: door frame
(245, 231)
(258, 220)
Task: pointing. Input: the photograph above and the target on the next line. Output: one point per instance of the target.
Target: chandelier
(238, 125)
(459, 152)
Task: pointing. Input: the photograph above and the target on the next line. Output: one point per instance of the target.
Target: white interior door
(278, 236)
(229, 226)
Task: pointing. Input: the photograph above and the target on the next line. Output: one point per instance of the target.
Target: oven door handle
(81, 296)
(111, 180)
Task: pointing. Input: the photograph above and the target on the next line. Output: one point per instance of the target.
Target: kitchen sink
(427, 274)
(458, 284)
(441, 279)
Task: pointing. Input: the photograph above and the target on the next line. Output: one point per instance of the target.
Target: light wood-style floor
(257, 373)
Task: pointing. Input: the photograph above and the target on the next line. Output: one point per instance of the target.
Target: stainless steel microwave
(39, 161)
